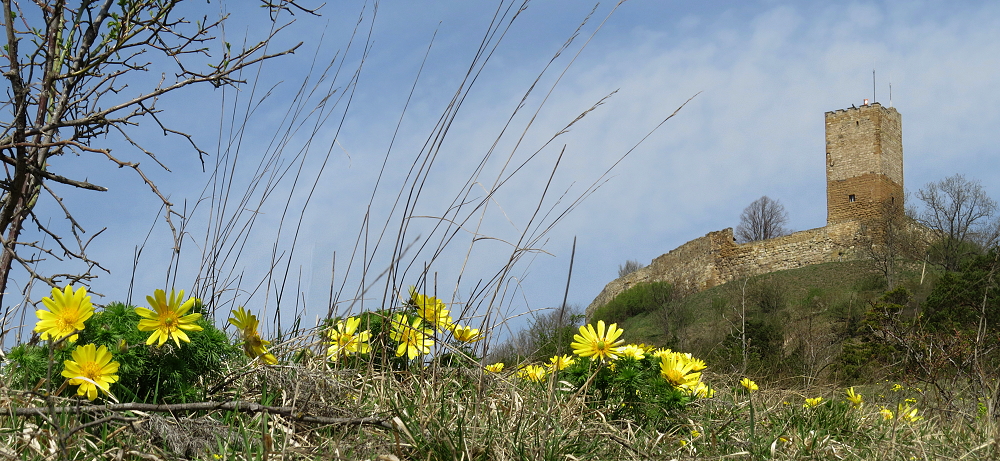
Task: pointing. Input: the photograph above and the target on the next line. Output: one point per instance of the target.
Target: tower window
(851, 198)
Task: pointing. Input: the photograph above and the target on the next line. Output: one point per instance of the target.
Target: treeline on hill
(829, 323)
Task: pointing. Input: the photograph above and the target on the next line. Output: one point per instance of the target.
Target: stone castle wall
(716, 259)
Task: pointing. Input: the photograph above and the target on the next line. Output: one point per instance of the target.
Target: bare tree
(890, 238)
(73, 70)
(761, 220)
(962, 215)
(548, 333)
(629, 267)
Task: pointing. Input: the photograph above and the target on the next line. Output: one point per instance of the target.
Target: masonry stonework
(864, 162)
(864, 170)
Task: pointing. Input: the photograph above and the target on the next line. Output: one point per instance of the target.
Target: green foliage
(633, 389)
(159, 374)
(639, 299)
(146, 373)
(961, 300)
(768, 295)
(870, 346)
(764, 344)
(760, 329)
(28, 364)
(872, 282)
(553, 336)
(952, 253)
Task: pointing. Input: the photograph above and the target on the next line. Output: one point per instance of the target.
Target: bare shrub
(548, 334)
(629, 267)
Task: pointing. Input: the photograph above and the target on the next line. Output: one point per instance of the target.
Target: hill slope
(790, 317)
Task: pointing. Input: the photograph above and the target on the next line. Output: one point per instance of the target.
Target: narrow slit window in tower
(851, 198)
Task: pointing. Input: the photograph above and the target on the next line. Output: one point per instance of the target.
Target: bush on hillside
(639, 299)
(962, 300)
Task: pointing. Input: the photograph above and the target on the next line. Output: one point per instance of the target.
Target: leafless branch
(292, 413)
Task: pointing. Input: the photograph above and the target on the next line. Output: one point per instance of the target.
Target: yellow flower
(886, 414)
(243, 320)
(253, 345)
(678, 370)
(749, 384)
(661, 353)
(696, 364)
(495, 368)
(810, 403)
(896, 387)
(168, 320)
(633, 351)
(854, 398)
(466, 334)
(645, 348)
(597, 343)
(532, 373)
(908, 414)
(701, 390)
(412, 337)
(559, 362)
(431, 309)
(91, 368)
(345, 340)
(67, 312)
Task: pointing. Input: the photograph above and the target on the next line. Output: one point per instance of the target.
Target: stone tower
(864, 163)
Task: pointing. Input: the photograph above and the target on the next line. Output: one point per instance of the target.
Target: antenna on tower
(873, 80)
(890, 91)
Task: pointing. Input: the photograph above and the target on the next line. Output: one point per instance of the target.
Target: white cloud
(767, 73)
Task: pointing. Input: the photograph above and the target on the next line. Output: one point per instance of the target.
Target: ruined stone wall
(791, 251)
(716, 258)
(689, 268)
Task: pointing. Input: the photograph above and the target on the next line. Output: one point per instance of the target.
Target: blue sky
(764, 74)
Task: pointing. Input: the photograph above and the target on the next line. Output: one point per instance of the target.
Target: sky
(756, 77)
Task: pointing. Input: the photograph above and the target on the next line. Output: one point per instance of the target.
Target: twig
(292, 413)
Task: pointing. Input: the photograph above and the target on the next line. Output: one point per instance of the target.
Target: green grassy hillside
(800, 311)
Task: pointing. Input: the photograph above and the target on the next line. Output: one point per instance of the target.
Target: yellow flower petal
(597, 344)
(91, 369)
(68, 310)
(166, 319)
